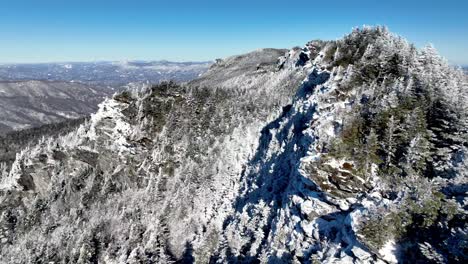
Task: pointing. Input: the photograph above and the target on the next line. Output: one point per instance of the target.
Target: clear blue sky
(85, 30)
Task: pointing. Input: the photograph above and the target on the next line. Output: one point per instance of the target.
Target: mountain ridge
(305, 158)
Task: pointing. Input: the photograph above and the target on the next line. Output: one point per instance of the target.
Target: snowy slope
(239, 166)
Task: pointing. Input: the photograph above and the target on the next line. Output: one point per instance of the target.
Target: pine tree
(418, 153)
(371, 152)
(389, 144)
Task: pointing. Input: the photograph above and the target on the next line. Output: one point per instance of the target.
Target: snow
(388, 252)
(111, 110)
(360, 253)
(9, 182)
(252, 190)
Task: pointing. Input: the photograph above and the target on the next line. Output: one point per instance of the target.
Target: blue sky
(72, 30)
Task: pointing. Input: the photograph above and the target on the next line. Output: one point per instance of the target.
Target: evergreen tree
(371, 152)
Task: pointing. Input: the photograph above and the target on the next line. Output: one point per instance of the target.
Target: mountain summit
(347, 151)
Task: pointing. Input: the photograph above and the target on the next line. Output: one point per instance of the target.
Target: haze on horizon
(63, 31)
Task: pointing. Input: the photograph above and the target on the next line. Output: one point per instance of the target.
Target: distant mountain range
(26, 104)
(105, 73)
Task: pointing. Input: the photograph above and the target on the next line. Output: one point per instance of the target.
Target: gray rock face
(26, 104)
(267, 158)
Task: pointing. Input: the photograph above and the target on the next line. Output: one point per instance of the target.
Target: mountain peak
(337, 152)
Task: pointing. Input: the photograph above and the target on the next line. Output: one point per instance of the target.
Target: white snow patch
(360, 253)
(388, 251)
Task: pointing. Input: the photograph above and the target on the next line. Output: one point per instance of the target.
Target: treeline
(13, 142)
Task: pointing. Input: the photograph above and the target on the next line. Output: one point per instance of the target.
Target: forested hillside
(346, 151)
